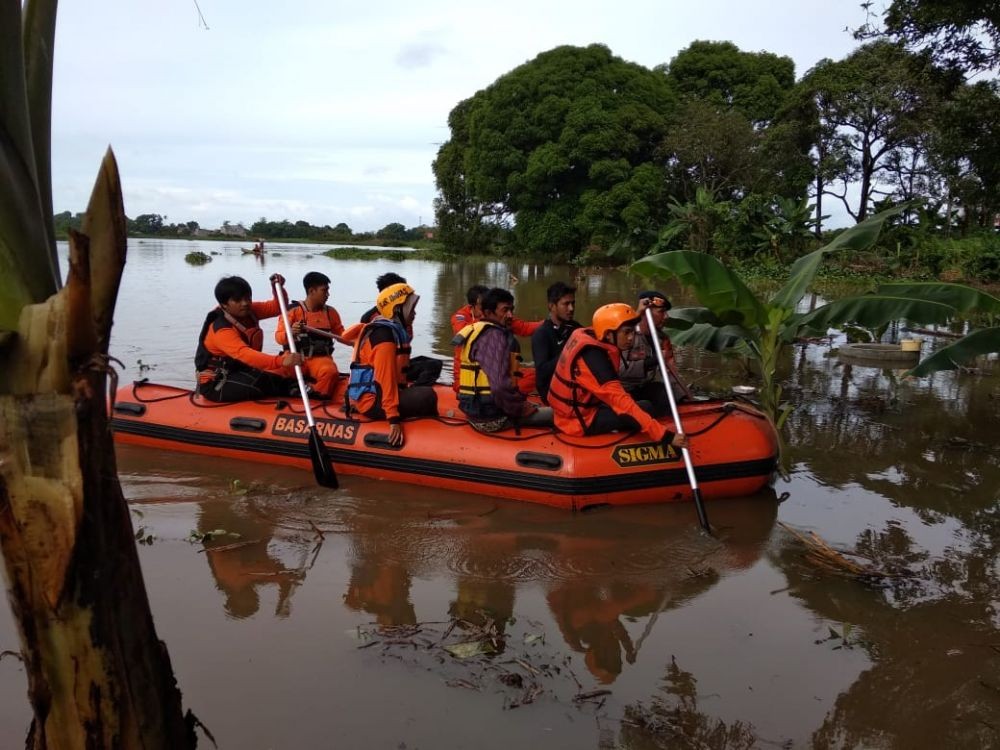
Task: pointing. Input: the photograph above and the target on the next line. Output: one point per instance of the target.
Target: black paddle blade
(322, 468)
(699, 505)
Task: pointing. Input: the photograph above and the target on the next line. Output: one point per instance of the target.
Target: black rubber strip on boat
(602, 485)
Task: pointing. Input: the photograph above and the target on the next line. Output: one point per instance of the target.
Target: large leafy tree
(755, 84)
(870, 107)
(964, 149)
(560, 146)
(962, 33)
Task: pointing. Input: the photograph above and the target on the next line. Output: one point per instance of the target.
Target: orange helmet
(612, 317)
(391, 298)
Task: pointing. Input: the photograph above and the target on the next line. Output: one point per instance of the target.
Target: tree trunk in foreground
(98, 677)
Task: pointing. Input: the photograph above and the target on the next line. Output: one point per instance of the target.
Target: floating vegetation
(482, 655)
(825, 557)
(197, 258)
(197, 537)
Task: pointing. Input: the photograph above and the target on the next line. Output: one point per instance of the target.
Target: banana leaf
(716, 287)
(977, 343)
(39, 42)
(682, 318)
(712, 338)
(870, 311)
(28, 268)
(858, 237)
(962, 298)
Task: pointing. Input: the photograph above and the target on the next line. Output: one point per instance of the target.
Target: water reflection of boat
(606, 578)
(733, 447)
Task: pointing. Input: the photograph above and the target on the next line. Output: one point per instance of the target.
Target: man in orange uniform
(315, 326)
(229, 360)
(640, 369)
(472, 312)
(586, 395)
(377, 387)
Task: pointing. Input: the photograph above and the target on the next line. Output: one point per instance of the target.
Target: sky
(332, 112)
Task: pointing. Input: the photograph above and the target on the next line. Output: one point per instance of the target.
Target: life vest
(312, 344)
(569, 395)
(216, 320)
(362, 381)
(474, 395)
(638, 364)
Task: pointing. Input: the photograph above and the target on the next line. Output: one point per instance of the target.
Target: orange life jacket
(571, 392)
(216, 320)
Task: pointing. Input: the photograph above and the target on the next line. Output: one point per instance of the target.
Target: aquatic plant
(734, 317)
(197, 258)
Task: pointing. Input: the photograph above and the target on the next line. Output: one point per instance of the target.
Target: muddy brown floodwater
(385, 615)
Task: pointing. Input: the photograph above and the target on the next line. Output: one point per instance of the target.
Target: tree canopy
(755, 84)
(959, 33)
(563, 144)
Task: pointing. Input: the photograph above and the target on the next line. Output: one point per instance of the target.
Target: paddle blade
(322, 468)
(699, 505)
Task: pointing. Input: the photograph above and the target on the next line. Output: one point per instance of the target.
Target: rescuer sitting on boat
(548, 341)
(488, 373)
(377, 387)
(586, 394)
(472, 312)
(316, 326)
(229, 360)
(640, 369)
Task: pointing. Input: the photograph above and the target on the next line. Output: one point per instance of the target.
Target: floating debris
(822, 555)
(484, 656)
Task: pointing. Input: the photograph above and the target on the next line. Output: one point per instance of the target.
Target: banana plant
(97, 674)
(733, 316)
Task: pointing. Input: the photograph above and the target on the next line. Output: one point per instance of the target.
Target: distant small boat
(245, 251)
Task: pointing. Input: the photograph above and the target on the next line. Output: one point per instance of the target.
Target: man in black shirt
(548, 340)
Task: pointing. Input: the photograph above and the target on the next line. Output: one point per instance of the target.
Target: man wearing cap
(640, 370)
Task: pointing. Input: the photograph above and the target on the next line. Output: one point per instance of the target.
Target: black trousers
(606, 420)
(414, 401)
(246, 385)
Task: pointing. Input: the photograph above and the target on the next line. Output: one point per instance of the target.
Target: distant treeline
(155, 225)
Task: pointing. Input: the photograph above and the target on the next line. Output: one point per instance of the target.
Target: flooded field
(385, 615)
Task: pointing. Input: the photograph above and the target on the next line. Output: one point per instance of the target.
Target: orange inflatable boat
(733, 448)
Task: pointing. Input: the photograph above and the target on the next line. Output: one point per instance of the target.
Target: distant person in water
(259, 247)
(229, 360)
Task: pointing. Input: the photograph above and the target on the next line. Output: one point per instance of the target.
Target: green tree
(392, 231)
(547, 139)
(755, 84)
(148, 224)
(959, 33)
(711, 148)
(965, 150)
(876, 102)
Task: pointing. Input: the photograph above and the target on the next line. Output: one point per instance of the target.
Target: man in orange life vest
(315, 326)
(377, 387)
(229, 360)
(487, 392)
(472, 312)
(586, 395)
